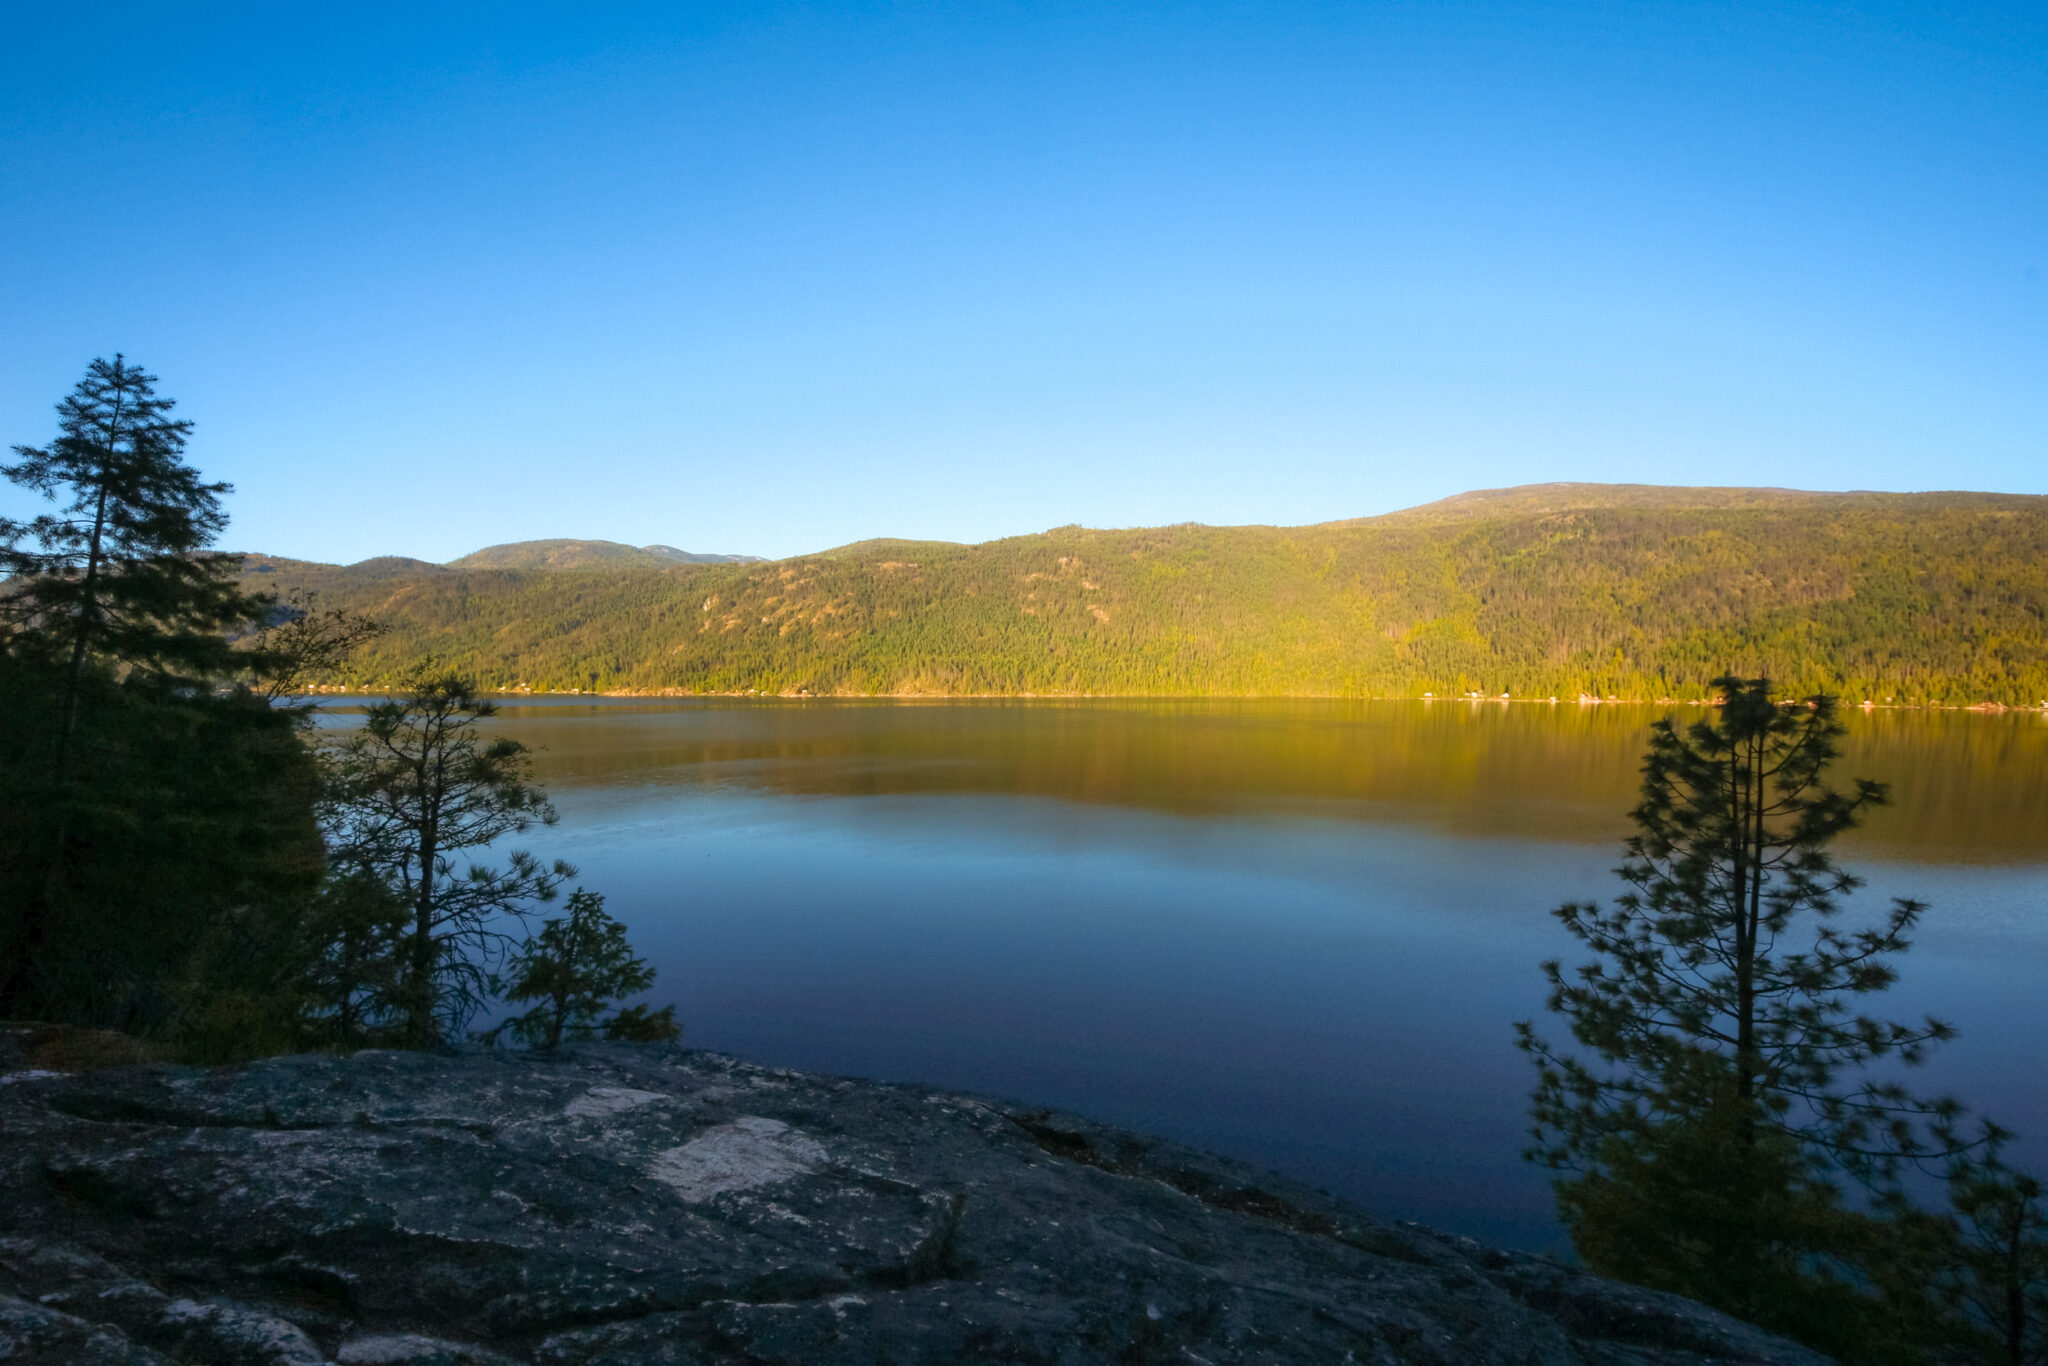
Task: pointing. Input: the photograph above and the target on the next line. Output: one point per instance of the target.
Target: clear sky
(771, 278)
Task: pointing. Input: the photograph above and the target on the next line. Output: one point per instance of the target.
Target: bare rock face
(624, 1204)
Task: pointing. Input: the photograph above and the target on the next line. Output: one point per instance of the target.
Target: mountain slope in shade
(377, 567)
(572, 554)
(1627, 591)
(669, 552)
(254, 562)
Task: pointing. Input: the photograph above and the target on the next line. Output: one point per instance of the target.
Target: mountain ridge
(1559, 495)
(1559, 589)
(565, 553)
(552, 553)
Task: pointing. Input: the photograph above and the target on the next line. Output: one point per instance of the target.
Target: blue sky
(771, 278)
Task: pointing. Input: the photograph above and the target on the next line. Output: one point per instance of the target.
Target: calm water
(1292, 932)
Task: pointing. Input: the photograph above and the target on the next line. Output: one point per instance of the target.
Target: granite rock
(616, 1204)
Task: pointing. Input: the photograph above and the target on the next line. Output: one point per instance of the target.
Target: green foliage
(1700, 1208)
(1554, 591)
(299, 640)
(1728, 1082)
(575, 968)
(179, 810)
(352, 983)
(244, 992)
(1970, 1283)
(417, 784)
(120, 571)
(143, 804)
(162, 864)
(639, 1024)
(1993, 1286)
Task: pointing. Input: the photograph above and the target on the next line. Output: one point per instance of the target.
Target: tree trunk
(36, 917)
(1742, 876)
(2016, 1291)
(421, 1003)
(420, 1006)
(81, 638)
(1746, 812)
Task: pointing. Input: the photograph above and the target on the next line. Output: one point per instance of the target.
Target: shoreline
(684, 694)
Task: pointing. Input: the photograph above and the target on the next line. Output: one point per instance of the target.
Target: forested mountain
(554, 554)
(1557, 589)
(564, 554)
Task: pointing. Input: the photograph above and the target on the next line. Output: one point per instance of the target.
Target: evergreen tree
(575, 967)
(352, 983)
(418, 783)
(1728, 1088)
(1995, 1284)
(139, 801)
(121, 570)
(301, 641)
(1970, 1283)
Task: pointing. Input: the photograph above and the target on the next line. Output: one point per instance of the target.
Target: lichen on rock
(750, 1151)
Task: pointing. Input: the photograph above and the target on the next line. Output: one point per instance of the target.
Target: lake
(1293, 932)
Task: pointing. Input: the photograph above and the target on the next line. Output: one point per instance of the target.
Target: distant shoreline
(678, 694)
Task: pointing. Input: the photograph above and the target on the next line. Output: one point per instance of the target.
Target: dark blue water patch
(1331, 1002)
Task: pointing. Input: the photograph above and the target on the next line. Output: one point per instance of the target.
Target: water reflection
(1295, 932)
(1968, 787)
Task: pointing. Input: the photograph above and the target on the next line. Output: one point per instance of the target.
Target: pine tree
(121, 571)
(1970, 1283)
(420, 782)
(1727, 1093)
(576, 967)
(300, 640)
(138, 800)
(1995, 1286)
(353, 934)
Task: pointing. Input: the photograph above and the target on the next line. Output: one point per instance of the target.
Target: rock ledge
(648, 1204)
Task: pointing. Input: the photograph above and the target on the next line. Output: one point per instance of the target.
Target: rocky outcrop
(625, 1204)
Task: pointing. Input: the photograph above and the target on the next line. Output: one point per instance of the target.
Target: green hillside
(568, 554)
(1560, 589)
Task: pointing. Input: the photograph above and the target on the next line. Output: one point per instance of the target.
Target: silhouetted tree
(139, 799)
(576, 967)
(121, 570)
(418, 783)
(1969, 1284)
(298, 640)
(1996, 1285)
(351, 984)
(1727, 1088)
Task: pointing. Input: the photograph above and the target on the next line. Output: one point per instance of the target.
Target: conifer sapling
(576, 967)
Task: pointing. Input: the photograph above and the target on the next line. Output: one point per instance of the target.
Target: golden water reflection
(1968, 788)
